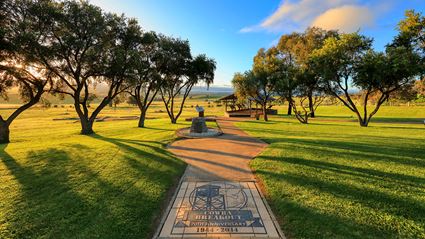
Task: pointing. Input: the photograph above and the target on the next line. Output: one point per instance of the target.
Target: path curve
(220, 158)
(218, 196)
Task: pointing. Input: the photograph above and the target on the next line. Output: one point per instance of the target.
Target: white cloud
(250, 29)
(297, 15)
(345, 18)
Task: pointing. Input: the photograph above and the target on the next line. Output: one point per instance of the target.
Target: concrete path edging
(218, 196)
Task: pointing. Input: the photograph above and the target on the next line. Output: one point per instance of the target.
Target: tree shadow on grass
(397, 120)
(383, 125)
(380, 147)
(135, 147)
(403, 155)
(64, 196)
(399, 207)
(45, 197)
(302, 221)
(375, 119)
(158, 129)
(327, 165)
(358, 172)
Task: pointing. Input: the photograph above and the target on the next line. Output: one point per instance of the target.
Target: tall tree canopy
(75, 46)
(180, 72)
(412, 31)
(299, 47)
(349, 61)
(88, 47)
(18, 69)
(336, 61)
(286, 84)
(261, 82)
(148, 80)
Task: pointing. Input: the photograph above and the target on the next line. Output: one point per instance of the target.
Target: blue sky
(231, 31)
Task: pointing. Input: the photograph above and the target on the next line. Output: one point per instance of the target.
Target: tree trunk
(266, 118)
(173, 121)
(86, 127)
(142, 119)
(311, 106)
(289, 109)
(4, 132)
(364, 122)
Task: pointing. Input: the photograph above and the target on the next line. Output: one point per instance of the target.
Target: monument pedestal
(199, 125)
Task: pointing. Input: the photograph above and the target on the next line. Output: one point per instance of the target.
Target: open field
(56, 183)
(334, 179)
(327, 179)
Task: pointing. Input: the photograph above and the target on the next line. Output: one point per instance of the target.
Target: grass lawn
(334, 179)
(56, 183)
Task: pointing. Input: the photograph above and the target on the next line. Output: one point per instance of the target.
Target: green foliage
(181, 72)
(244, 85)
(259, 84)
(412, 30)
(78, 45)
(349, 61)
(18, 68)
(297, 75)
(202, 70)
(336, 60)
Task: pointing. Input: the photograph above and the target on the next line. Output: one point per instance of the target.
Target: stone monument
(199, 125)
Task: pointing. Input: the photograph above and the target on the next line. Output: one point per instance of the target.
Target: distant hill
(101, 90)
(212, 90)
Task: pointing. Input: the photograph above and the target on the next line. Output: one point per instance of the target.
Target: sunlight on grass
(57, 183)
(338, 180)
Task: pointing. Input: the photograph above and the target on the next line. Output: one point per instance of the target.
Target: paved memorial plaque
(218, 209)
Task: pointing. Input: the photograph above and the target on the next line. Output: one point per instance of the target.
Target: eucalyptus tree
(300, 46)
(412, 31)
(292, 75)
(385, 73)
(291, 85)
(336, 62)
(349, 61)
(260, 84)
(89, 47)
(147, 81)
(312, 39)
(287, 43)
(18, 70)
(175, 57)
(180, 72)
(250, 85)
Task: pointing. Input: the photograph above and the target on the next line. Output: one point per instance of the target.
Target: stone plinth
(198, 125)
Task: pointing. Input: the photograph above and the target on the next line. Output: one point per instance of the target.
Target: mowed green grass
(334, 179)
(56, 183)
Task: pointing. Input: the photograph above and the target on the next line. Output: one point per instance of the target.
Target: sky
(232, 31)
